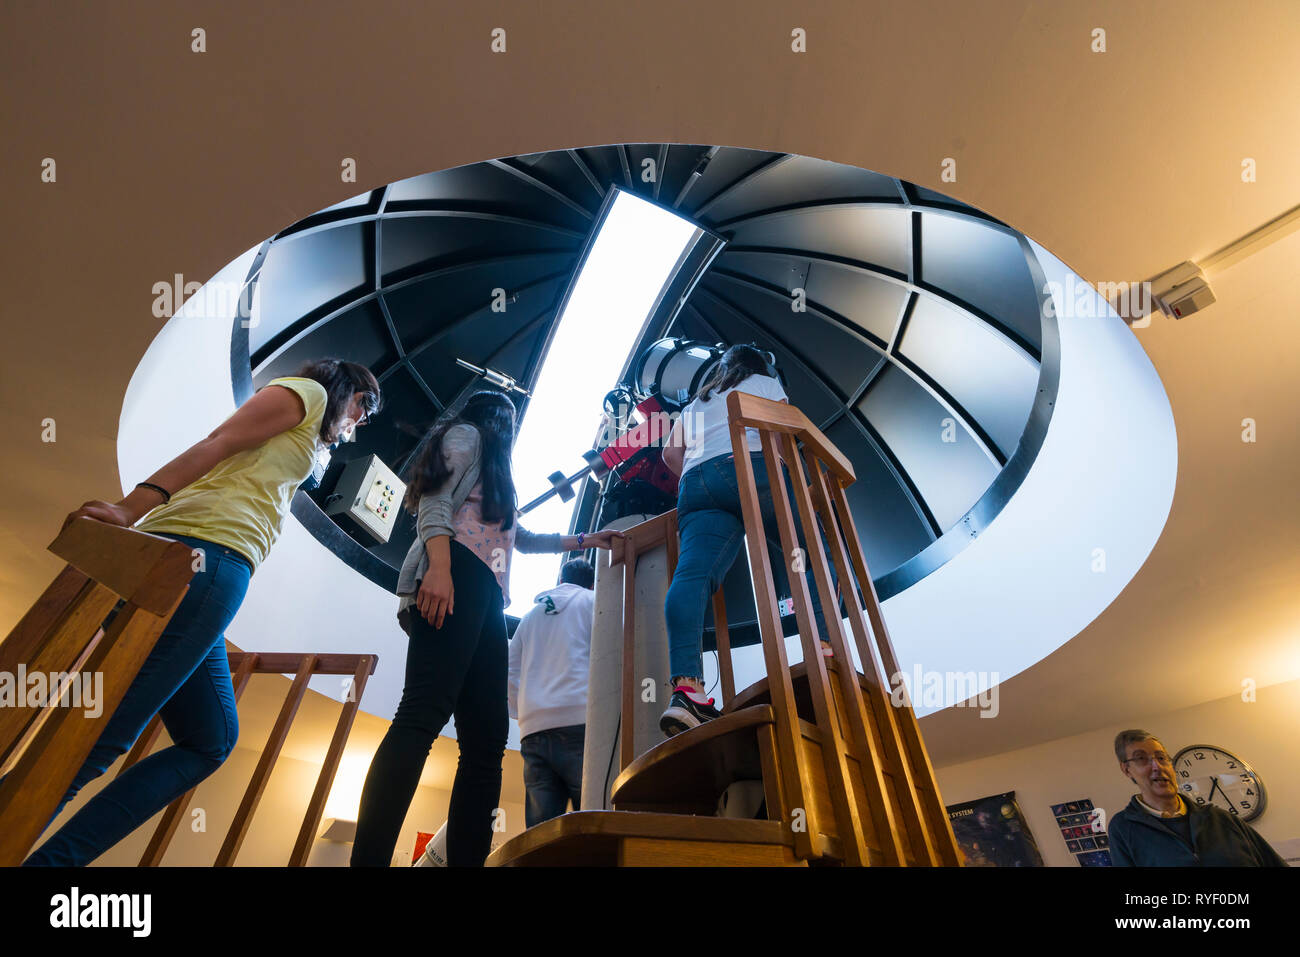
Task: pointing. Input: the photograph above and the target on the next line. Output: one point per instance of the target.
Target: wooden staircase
(42, 745)
(845, 775)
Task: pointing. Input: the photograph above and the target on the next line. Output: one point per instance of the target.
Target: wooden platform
(689, 771)
(760, 693)
(637, 839)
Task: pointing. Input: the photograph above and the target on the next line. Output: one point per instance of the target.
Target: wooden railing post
(316, 807)
(849, 827)
(778, 668)
(266, 764)
(55, 604)
(922, 772)
(886, 743)
(866, 748)
(720, 634)
(66, 634)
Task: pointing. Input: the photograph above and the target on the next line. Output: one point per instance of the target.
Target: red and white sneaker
(687, 709)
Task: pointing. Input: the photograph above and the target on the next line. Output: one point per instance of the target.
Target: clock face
(1206, 774)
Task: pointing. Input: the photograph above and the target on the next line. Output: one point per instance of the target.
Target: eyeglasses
(368, 406)
(1143, 760)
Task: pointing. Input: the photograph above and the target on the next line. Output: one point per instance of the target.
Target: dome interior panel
(802, 179)
(304, 272)
(991, 379)
(944, 462)
(414, 244)
(985, 267)
(891, 528)
(868, 236)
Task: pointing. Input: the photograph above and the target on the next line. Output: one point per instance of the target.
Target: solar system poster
(992, 832)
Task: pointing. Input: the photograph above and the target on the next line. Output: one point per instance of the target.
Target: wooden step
(632, 839)
(688, 772)
(759, 693)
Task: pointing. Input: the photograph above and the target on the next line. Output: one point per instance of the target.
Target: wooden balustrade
(856, 778)
(44, 745)
(242, 666)
(62, 629)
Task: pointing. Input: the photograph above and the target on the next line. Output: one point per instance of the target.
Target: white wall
(1261, 732)
(275, 824)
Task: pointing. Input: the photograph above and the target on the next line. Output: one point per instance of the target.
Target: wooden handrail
(151, 574)
(147, 570)
(62, 633)
(755, 412)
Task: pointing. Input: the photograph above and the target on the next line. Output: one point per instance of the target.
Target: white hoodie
(549, 656)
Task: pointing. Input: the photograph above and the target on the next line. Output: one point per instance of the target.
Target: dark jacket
(1219, 839)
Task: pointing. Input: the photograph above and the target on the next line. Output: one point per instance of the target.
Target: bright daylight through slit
(632, 258)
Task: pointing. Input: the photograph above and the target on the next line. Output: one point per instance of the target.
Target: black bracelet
(157, 488)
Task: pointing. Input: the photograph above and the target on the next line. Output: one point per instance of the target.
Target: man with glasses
(1159, 829)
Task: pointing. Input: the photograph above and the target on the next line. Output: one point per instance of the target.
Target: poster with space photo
(1083, 832)
(992, 832)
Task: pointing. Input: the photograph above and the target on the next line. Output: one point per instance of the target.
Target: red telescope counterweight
(636, 454)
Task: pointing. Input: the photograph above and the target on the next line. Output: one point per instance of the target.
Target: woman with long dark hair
(453, 589)
(226, 497)
(711, 523)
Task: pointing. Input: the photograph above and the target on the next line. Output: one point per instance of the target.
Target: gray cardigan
(462, 450)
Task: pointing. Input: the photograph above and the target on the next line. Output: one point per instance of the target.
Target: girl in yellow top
(226, 496)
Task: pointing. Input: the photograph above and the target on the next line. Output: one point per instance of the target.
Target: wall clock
(1207, 774)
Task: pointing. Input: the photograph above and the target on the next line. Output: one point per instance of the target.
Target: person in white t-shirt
(547, 691)
(710, 522)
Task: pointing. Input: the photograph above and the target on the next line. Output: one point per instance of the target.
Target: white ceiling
(1122, 163)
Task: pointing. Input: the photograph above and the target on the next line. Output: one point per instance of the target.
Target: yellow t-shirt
(242, 501)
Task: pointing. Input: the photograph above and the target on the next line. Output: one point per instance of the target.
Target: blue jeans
(186, 679)
(711, 527)
(552, 771)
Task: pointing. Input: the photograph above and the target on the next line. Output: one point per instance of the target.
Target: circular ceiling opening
(910, 327)
(918, 333)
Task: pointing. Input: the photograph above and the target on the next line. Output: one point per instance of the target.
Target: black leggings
(459, 669)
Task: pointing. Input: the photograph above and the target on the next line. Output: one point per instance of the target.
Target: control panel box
(369, 493)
